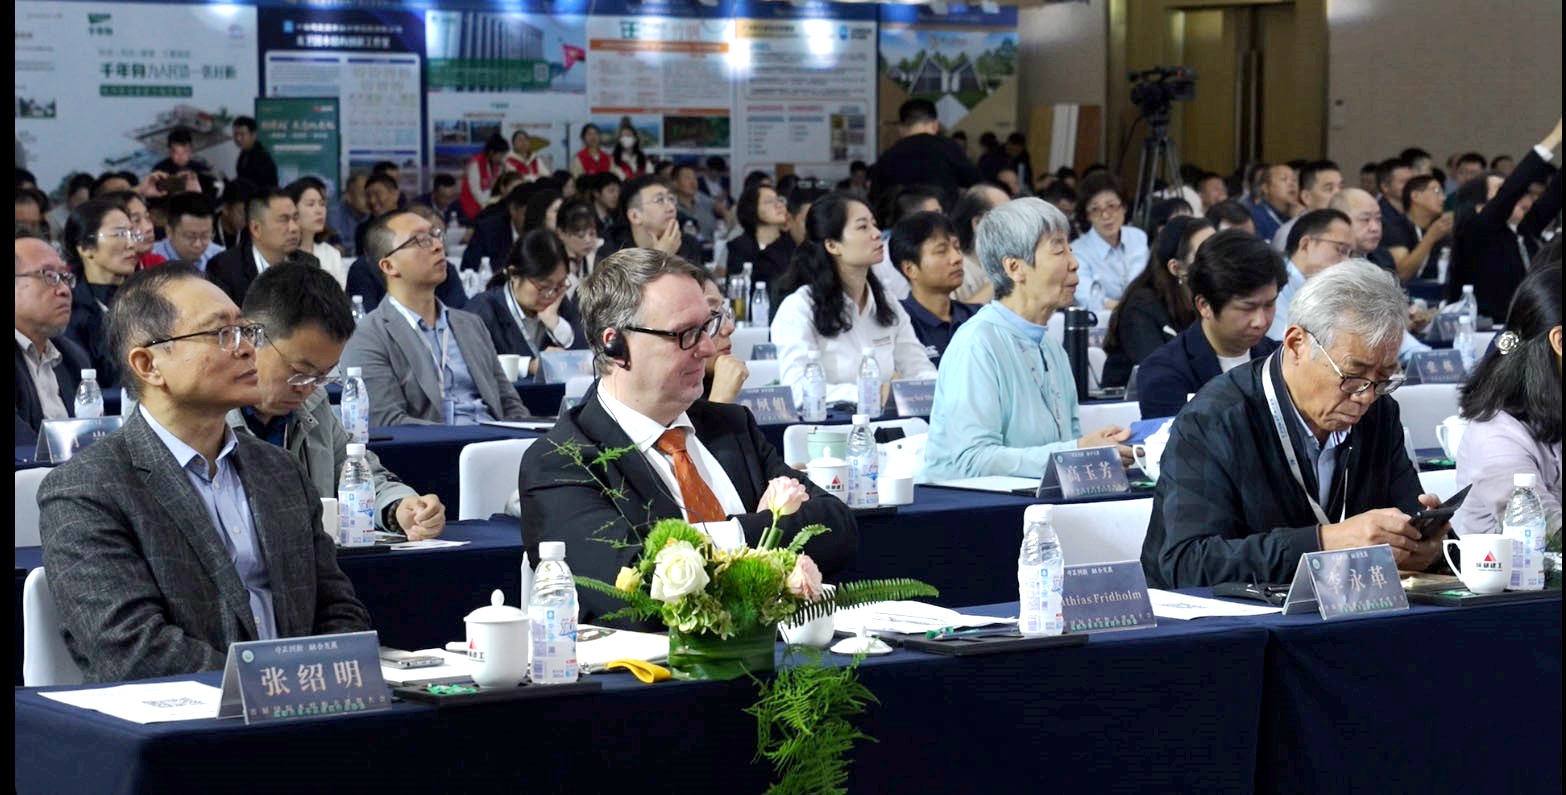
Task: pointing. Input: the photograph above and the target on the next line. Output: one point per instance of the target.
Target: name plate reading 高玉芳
(1436, 367)
(292, 678)
(1346, 582)
(58, 440)
(1106, 597)
(1088, 472)
(913, 397)
(764, 352)
(772, 405)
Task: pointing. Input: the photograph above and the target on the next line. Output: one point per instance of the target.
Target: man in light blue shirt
(188, 231)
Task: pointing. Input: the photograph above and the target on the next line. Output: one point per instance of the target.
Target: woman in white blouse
(1109, 253)
(309, 195)
(836, 306)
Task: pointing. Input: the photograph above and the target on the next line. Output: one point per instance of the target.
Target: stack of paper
(906, 618)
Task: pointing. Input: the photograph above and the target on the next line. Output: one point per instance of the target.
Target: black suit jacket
(89, 329)
(1180, 368)
(490, 306)
(257, 166)
(236, 268)
(923, 159)
(491, 238)
(366, 281)
(68, 372)
(561, 503)
(1143, 328)
(1486, 253)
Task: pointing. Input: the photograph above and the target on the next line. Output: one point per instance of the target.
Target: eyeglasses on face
(128, 235)
(306, 379)
(1345, 250)
(1104, 210)
(686, 338)
(51, 278)
(1354, 384)
(228, 337)
(424, 240)
(661, 198)
(548, 290)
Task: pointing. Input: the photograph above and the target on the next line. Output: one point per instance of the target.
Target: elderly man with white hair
(1296, 452)
(1005, 399)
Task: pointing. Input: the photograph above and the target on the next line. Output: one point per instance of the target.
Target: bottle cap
(551, 550)
(355, 448)
(355, 371)
(814, 356)
(861, 419)
(867, 351)
(484, 262)
(1468, 288)
(89, 373)
(358, 299)
(762, 283)
(1037, 513)
(1524, 480)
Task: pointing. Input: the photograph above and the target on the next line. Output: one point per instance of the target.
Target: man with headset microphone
(651, 332)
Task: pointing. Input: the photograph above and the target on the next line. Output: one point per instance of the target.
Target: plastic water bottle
(1524, 525)
(760, 305)
(355, 406)
(812, 403)
(1041, 571)
(862, 465)
(1443, 262)
(552, 613)
(485, 273)
(89, 399)
(1468, 305)
(869, 384)
(356, 500)
(358, 309)
(739, 295)
(1464, 342)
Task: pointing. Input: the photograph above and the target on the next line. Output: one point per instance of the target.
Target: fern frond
(859, 592)
(805, 534)
(639, 604)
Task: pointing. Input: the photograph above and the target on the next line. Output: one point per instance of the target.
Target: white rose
(678, 570)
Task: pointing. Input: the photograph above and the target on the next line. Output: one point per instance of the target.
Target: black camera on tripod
(1156, 88)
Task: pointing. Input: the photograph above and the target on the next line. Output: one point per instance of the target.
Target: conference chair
(796, 448)
(1092, 416)
(903, 457)
(45, 660)
(1423, 407)
(761, 373)
(487, 476)
(1442, 483)
(27, 483)
(746, 338)
(1102, 532)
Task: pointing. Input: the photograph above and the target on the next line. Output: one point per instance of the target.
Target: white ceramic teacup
(511, 363)
(1486, 559)
(329, 518)
(895, 489)
(498, 644)
(816, 634)
(524, 365)
(830, 473)
(1450, 434)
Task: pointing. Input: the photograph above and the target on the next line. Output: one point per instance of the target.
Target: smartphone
(397, 658)
(1430, 521)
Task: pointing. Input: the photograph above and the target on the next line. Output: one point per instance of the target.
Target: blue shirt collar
(413, 317)
(1027, 328)
(184, 453)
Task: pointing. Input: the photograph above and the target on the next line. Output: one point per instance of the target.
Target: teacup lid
(827, 460)
(496, 612)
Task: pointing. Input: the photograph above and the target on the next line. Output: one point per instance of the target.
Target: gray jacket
(400, 373)
(140, 577)
(316, 438)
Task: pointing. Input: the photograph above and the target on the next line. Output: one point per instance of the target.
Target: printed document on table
(906, 618)
(428, 543)
(523, 425)
(158, 702)
(1168, 604)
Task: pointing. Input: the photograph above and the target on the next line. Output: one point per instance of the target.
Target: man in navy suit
(48, 365)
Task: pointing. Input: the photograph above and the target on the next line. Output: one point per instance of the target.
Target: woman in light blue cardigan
(1005, 398)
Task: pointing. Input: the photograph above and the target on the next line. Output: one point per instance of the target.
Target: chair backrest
(761, 373)
(27, 483)
(1441, 482)
(796, 438)
(1423, 407)
(746, 338)
(45, 660)
(1093, 416)
(1096, 359)
(1102, 532)
(576, 386)
(486, 476)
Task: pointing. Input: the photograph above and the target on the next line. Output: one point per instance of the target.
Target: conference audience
(174, 537)
(1229, 507)
(424, 363)
(443, 199)
(925, 248)
(651, 331)
(629, 161)
(976, 288)
(893, 206)
(527, 307)
(1318, 183)
(1365, 222)
(273, 222)
(1233, 281)
(1212, 190)
(348, 213)
(382, 195)
(764, 243)
(48, 364)
(1277, 200)
(99, 245)
(1422, 201)
(1318, 240)
(1397, 232)
(1512, 402)
(309, 195)
(1109, 252)
(525, 159)
(726, 373)
(650, 218)
(307, 324)
(478, 177)
(590, 159)
(254, 163)
(836, 306)
(187, 231)
(366, 282)
(1157, 305)
(922, 156)
(541, 212)
(135, 209)
(577, 227)
(1005, 398)
(699, 206)
(494, 236)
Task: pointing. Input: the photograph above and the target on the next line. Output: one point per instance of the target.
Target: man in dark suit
(174, 537)
(651, 331)
(255, 163)
(494, 236)
(922, 156)
(48, 365)
(1234, 283)
(273, 223)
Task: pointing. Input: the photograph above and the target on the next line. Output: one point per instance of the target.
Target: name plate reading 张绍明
(58, 440)
(914, 397)
(1436, 367)
(772, 405)
(292, 678)
(1088, 472)
(764, 352)
(1346, 582)
(1106, 597)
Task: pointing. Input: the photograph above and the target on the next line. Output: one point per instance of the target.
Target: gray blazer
(400, 373)
(142, 582)
(317, 439)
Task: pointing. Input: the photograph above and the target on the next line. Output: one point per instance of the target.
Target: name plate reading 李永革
(1346, 582)
(58, 440)
(772, 405)
(1106, 597)
(1436, 367)
(914, 397)
(293, 678)
(1088, 472)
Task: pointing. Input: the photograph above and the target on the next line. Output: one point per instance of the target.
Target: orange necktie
(701, 505)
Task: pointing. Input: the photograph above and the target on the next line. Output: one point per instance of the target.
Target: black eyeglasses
(1354, 384)
(228, 337)
(52, 278)
(687, 338)
(422, 240)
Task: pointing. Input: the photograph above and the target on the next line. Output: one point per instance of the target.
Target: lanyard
(538, 341)
(1053, 400)
(1288, 446)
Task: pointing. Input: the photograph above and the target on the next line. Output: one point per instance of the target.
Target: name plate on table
(559, 367)
(1088, 472)
(1106, 597)
(1443, 328)
(293, 678)
(1436, 367)
(58, 440)
(764, 352)
(772, 405)
(1346, 582)
(914, 398)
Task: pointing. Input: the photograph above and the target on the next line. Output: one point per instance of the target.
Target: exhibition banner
(303, 136)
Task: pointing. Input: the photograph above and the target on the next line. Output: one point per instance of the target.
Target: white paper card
(907, 617)
(158, 702)
(1168, 604)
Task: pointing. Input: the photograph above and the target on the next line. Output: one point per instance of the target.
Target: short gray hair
(611, 296)
(140, 313)
(1353, 297)
(1014, 229)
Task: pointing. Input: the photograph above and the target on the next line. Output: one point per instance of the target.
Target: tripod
(1159, 158)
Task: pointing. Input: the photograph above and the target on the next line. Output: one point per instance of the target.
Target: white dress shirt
(897, 348)
(331, 262)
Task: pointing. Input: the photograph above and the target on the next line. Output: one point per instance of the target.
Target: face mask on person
(628, 141)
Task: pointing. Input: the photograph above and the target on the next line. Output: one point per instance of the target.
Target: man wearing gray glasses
(174, 537)
(48, 364)
(307, 324)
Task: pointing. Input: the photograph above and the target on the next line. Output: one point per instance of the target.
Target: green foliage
(699, 612)
(668, 530)
(639, 605)
(848, 594)
(805, 534)
(803, 728)
(747, 585)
